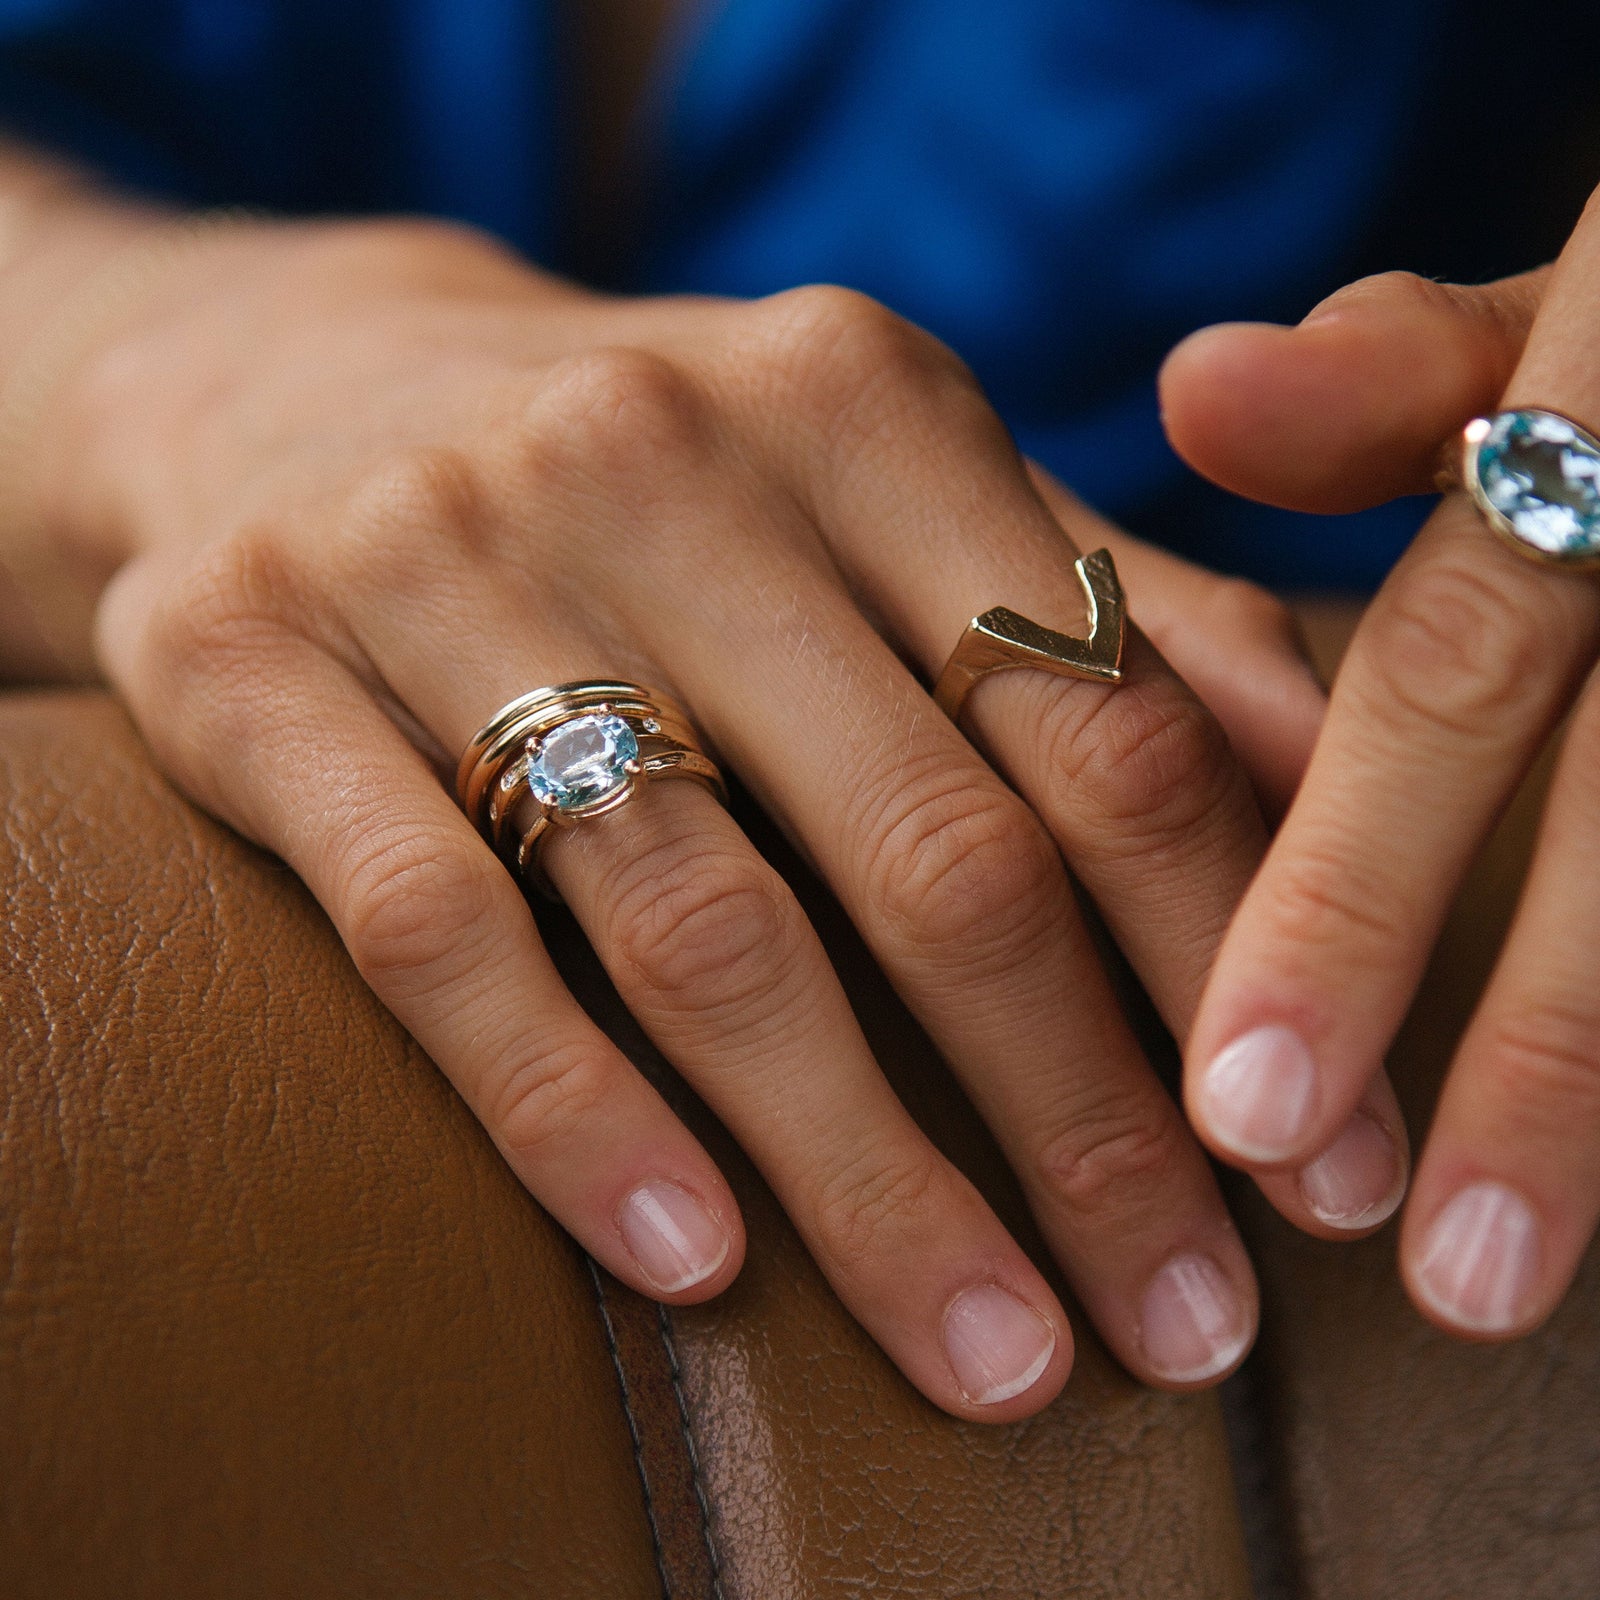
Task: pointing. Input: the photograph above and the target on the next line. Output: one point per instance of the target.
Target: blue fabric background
(1059, 188)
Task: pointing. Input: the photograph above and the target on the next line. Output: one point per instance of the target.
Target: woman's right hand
(364, 483)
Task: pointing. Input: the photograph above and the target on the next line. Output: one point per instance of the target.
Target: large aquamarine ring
(566, 754)
(1535, 475)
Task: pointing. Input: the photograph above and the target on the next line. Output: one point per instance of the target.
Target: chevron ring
(1000, 639)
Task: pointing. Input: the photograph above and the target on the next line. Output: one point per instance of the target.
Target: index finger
(1454, 680)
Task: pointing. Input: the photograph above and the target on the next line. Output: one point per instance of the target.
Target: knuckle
(863, 1210)
(205, 640)
(236, 588)
(958, 867)
(417, 907)
(1401, 296)
(841, 348)
(706, 925)
(1454, 649)
(1546, 1058)
(1112, 1157)
(540, 1104)
(1246, 609)
(1321, 900)
(1147, 758)
(1404, 291)
(406, 512)
(824, 321)
(618, 414)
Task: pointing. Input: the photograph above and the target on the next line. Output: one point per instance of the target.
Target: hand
(372, 481)
(1462, 668)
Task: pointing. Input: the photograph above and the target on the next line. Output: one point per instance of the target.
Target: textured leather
(1397, 1463)
(274, 1319)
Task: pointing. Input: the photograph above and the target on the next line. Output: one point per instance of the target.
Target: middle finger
(962, 895)
(1452, 683)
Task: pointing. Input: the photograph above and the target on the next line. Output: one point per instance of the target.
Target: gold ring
(1000, 639)
(568, 754)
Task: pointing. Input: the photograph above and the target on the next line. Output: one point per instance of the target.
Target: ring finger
(711, 952)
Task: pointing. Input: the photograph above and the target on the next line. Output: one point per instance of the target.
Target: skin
(351, 487)
(1464, 666)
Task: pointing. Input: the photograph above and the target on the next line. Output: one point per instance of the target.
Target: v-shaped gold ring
(1000, 639)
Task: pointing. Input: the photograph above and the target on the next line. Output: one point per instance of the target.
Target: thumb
(1352, 407)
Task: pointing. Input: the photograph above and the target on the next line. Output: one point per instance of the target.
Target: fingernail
(676, 1242)
(1259, 1093)
(1192, 1324)
(1359, 1180)
(997, 1344)
(1480, 1263)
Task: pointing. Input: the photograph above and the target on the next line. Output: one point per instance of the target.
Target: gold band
(1000, 639)
(512, 796)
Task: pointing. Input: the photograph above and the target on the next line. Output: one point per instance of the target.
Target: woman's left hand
(1464, 665)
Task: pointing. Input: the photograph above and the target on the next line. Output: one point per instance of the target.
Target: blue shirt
(1061, 189)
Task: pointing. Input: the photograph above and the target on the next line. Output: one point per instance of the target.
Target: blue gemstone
(583, 761)
(1541, 475)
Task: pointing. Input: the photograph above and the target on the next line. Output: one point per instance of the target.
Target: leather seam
(675, 1373)
(656, 1546)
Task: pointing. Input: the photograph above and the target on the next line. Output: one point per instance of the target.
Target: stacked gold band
(570, 753)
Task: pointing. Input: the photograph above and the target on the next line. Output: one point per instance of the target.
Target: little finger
(275, 736)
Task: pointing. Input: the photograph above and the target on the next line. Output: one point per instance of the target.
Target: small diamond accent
(582, 762)
(1541, 474)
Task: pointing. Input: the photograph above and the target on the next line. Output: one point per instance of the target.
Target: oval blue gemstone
(583, 761)
(1540, 474)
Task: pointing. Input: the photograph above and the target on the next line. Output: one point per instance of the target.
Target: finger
(1355, 1185)
(269, 732)
(1508, 1191)
(1454, 680)
(1157, 821)
(1348, 409)
(933, 520)
(1237, 646)
(952, 880)
(963, 899)
(713, 955)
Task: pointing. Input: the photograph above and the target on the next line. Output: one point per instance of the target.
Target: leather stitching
(633, 1430)
(676, 1374)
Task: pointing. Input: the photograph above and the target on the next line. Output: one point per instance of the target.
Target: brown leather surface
(1405, 1465)
(275, 1321)
(659, 1419)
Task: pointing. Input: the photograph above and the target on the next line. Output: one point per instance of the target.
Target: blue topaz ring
(1535, 475)
(568, 754)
